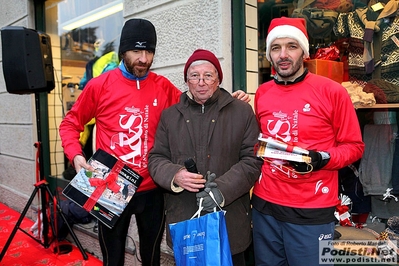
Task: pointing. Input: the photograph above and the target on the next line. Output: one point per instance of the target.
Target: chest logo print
(306, 108)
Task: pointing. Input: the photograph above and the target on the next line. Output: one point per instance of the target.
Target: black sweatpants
(148, 208)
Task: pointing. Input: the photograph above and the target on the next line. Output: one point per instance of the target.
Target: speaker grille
(27, 60)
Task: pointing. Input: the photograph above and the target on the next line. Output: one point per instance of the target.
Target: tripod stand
(34, 74)
(45, 191)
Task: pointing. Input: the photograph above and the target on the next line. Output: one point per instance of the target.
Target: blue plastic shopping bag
(201, 241)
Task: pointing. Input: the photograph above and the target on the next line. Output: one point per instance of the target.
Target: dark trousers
(278, 243)
(148, 208)
(239, 259)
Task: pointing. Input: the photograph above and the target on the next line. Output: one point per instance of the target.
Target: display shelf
(380, 106)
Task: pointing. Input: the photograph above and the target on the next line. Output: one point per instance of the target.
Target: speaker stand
(44, 188)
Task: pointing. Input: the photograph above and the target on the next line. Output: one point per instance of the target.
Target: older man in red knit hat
(294, 202)
(127, 103)
(219, 132)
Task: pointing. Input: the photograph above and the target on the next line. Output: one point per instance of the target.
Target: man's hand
(318, 161)
(80, 162)
(241, 95)
(210, 186)
(189, 181)
(210, 180)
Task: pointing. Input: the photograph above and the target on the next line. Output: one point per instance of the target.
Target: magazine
(105, 192)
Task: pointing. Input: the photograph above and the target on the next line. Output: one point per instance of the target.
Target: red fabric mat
(24, 250)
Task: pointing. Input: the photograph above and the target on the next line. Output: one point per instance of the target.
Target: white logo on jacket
(133, 124)
(285, 128)
(324, 190)
(306, 108)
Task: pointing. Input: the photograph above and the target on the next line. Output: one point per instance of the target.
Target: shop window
(81, 32)
(269, 9)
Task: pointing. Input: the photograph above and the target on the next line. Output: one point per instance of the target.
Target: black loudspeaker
(27, 60)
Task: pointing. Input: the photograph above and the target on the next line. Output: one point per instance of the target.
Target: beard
(136, 67)
(286, 74)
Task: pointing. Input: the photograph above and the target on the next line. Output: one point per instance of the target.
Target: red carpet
(24, 250)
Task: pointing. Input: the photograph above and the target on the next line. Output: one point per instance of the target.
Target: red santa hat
(284, 27)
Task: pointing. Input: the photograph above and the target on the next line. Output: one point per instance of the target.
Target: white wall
(183, 26)
(17, 122)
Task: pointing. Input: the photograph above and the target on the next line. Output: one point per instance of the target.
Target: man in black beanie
(127, 103)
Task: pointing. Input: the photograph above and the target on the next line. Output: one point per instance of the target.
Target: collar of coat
(211, 100)
(221, 97)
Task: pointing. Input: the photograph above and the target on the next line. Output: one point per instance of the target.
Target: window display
(85, 40)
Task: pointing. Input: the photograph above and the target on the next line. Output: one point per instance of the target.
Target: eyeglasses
(195, 79)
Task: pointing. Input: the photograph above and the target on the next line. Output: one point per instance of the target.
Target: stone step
(89, 241)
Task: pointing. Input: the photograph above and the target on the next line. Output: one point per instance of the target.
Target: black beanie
(138, 34)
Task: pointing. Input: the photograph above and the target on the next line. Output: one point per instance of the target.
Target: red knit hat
(201, 54)
(284, 27)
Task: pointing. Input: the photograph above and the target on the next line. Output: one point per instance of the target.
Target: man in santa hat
(294, 202)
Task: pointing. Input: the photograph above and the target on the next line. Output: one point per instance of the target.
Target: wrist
(324, 155)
